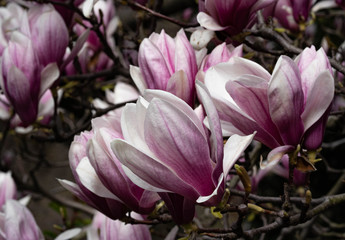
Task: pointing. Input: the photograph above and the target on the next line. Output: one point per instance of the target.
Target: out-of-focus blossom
(108, 229)
(287, 108)
(167, 149)
(48, 33)
(34, 48)
(167, 64)
(292, 14)
(11, 18)
(104, 228)
(231, 16)
(92, 57)
(282, 169)
(66, 13)
(327, 4)
(340, 3)
(45, 109)
(23, 78)
(17, 222)
(8, 189)
(123, 92)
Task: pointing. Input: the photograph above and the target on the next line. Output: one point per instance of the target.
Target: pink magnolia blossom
(99, 174)
(77, 159)
(30, 61)
(23, 78)
(290, 13)
(231, 16)
(287, 108)
(167, 64)
(17, 222)
(167, 149)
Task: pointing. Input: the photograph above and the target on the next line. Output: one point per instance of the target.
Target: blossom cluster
(186, 120)
(160, 144)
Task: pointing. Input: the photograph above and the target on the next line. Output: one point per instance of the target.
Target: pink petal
(147, 172)
(179, 85)
(233, 149)
(216, 138)
(208, 22)
(250, 94)
(178, 103)
(286, 99)
(318, 100)
(176, 141)
(153, 67)
(275, 155)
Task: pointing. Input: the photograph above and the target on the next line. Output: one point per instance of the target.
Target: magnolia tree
(209, 119)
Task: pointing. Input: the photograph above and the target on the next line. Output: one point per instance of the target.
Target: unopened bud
(244, 177)
(308, 197)
(256, 208)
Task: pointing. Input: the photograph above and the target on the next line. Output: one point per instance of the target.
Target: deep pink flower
(231, 16)
(290, 13)
(287, 108)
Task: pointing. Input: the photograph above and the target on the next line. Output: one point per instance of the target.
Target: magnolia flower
(98, 172)
(167, 64)
(167, 149)
(23, 78)
(231, 16)
(29, 63)
(78, 159)
(287, 108)
(17, 222)
(290, 13)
